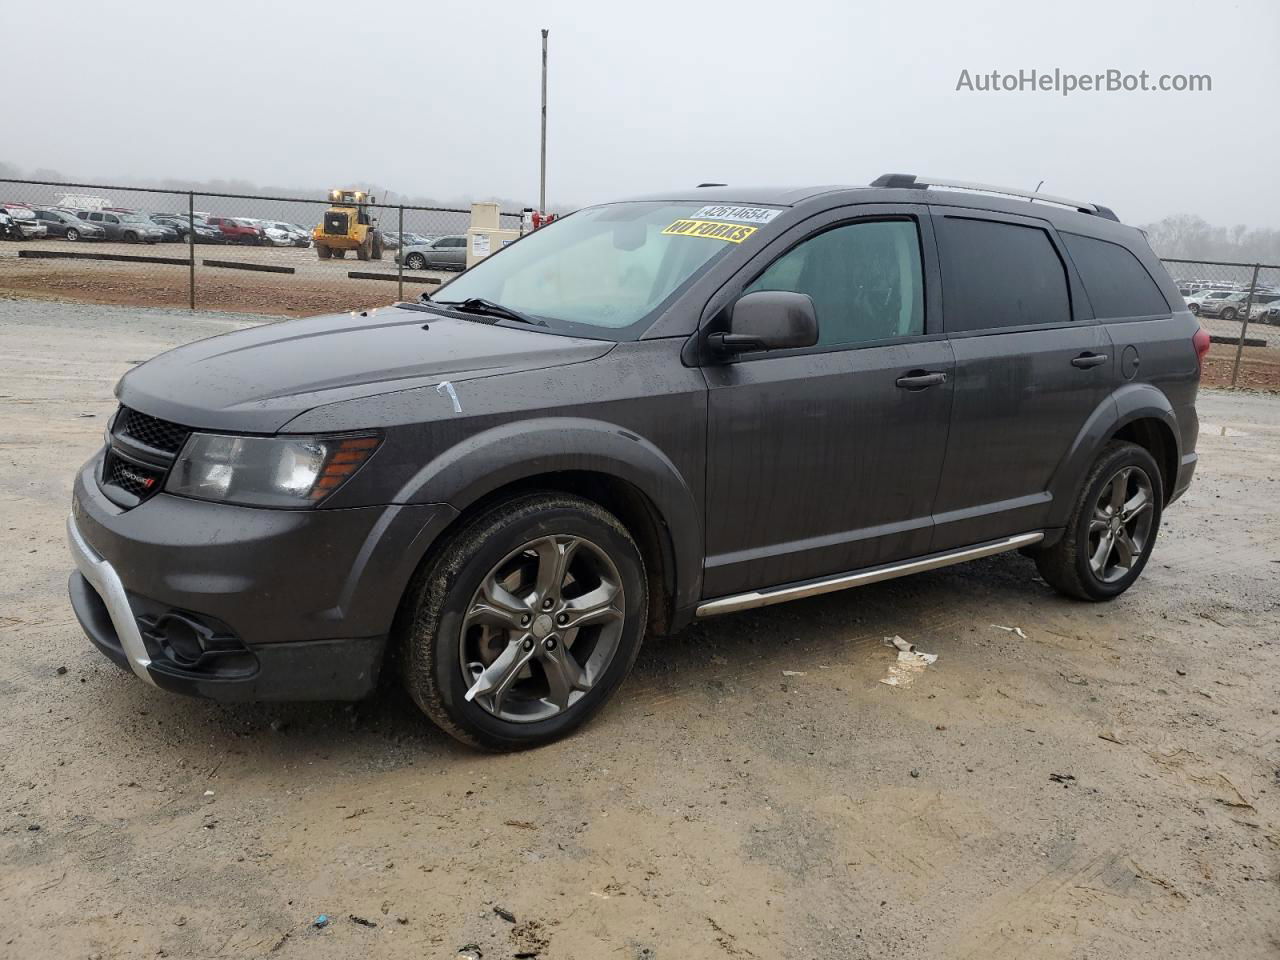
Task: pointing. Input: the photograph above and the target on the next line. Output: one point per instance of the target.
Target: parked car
(1227, 308)
(1262, 302)
(205, 233)
(129, 227)
(1196, 303)
(237, 230)
(642, 413)
(25, 222)
(282, 234)
(9, 229)
(60, 223)
(442, 253)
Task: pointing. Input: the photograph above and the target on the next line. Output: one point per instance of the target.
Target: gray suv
(649, 411)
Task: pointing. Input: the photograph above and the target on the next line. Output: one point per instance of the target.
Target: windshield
(133, 218)
(601, 269)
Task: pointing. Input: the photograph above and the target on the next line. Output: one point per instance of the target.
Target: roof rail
(912, 182)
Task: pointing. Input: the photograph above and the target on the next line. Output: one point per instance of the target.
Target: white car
(1262, 303)
(282, 234)
(24, 219)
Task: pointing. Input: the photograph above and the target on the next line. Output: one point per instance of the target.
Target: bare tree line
(1188, 237)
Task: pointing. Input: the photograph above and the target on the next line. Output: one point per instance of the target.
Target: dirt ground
(316, 286)
(1107, 787)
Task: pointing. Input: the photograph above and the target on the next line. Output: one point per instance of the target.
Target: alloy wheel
(542, 629)
(1121, 524)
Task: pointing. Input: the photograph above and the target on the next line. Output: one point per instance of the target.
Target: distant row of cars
(22, 222)
(1229, 303)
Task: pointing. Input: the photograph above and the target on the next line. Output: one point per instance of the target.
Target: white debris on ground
(910, 662)
(1013, 630)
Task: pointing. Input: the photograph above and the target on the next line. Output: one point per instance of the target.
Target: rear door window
(997, 274)
(1117, 283)
(864, 279)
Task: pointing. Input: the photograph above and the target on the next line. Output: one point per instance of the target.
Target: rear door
(1031, 367)
(826, 459)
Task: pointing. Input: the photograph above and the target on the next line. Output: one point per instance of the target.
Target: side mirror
(768, 320)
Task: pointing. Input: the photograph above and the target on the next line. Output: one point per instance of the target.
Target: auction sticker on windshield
(722, 211)
(711, 229)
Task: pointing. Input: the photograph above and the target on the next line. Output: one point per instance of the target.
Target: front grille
(152, 431)
(138, 481)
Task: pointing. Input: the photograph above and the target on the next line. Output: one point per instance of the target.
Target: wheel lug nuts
(548, 603)
(524, 621)
(562, 619)
(528, 645)
(549, 643)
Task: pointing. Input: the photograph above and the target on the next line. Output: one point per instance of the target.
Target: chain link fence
(1239, 304)
(219, 251)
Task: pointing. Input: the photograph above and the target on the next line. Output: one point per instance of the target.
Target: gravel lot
(315, 286)
(1108, 787)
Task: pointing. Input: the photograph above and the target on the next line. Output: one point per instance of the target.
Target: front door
(827, 459)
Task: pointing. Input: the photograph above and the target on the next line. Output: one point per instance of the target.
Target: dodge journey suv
(648, 411)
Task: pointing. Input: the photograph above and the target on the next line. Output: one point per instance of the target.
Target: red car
(236, 231)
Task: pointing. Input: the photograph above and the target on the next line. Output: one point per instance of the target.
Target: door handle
(918, 381)
(1087, 360)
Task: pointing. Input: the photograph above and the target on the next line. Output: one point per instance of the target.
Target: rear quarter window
(999, 275)
(1117, 283)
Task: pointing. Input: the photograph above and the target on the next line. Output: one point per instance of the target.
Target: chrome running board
(843, 581)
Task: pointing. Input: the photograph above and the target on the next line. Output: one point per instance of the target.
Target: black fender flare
(1127, 404)
(500, 456)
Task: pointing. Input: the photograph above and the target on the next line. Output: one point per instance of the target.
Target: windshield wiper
(489, 308)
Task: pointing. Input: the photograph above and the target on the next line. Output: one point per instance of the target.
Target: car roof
(1102, 223)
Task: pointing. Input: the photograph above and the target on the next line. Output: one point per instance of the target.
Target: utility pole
(542, 173)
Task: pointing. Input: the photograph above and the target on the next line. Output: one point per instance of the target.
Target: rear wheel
(337, 254)
(1229, 313)
(415, 261)
(1112, 529)
(1194, 308)
(322, 251)
(362, 251)
(377, 246)
(526, 623)
(130, 237)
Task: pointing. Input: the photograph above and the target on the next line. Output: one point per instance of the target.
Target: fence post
(400, 257)
(1244, 326)
(191, 243)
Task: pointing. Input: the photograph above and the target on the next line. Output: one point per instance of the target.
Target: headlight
(267, 471)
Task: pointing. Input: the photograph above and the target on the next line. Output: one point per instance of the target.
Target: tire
(415, 261)
(362, 251)
(1229, 313)
(72, 234)
(1069, 565)
(434, 651)
(377, 246)
(337, 254)
(129, 237)
(322, 252)
(1194, 308)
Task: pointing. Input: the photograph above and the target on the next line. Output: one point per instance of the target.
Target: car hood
(257, 380)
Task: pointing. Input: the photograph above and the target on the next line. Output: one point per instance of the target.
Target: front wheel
(72, 234)
(524, 625)
(130, 237)
(1112, 529)
(1194, 308)
(415, 261)
(1229, 313)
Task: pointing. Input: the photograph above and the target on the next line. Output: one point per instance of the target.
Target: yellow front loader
(348, 225)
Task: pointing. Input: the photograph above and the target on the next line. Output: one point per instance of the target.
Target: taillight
(1201, 342)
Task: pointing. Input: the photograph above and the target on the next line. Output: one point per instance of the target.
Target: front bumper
(239, 603)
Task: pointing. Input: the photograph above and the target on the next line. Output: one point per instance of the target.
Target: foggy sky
(441, 99)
